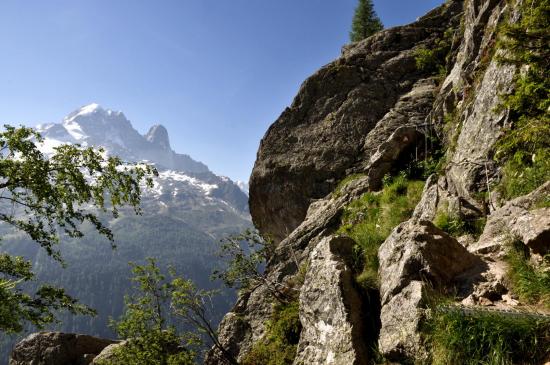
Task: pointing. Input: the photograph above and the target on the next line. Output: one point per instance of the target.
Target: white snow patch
(74, 130)
(178, 176)
(88, 109)
(116, 140)
(243, 186)
(47, 146)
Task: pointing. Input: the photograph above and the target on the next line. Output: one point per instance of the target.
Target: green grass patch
(542, 202)
(524, 172)
(370, 219)
(486, 338)
(531, 284)
(279, 344)
(457, 226)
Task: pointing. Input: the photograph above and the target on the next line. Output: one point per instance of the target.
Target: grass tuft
(370, 219)
(487, 338)
(525, 172)
(279, 344)
(531, 284)
(457, 226)
(344, 182)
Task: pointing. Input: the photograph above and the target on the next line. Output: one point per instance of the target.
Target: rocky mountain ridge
(388, 105)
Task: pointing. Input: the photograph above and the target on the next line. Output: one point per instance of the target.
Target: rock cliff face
(340, 117)
(374, 112)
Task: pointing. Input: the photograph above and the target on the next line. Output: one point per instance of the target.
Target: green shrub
(370, 219)
(486, 338)
(531, 284)
(279, 344)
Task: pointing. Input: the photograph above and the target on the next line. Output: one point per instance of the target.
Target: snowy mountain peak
(92, 125)
(90, 108)
(84, 110)
(93, 111)
(158, 135)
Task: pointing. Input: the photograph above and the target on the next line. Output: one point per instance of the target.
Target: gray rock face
(56, 348)
(321, 137)
(472, 92)
(245, 324)
(364, 113)
(330, 308)
(519, 218)
(416, 256)
(158, 135)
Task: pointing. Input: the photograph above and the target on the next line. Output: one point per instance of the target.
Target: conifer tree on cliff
(365, 21)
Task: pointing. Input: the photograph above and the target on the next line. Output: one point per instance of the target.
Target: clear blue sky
(216, 73)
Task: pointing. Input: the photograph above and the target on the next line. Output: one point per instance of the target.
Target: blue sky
(216, 73)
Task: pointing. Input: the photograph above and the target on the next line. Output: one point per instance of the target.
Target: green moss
(542, 202)
(531, 284)
(486, 338)
(279, 344)
(370, 219)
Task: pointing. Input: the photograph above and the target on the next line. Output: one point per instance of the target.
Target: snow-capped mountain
(180, 176)
(91, 125)
(185, 214)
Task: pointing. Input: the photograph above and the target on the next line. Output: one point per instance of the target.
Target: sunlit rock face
(374, 112)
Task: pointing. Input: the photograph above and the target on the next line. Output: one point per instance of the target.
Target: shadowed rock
(56, 348)
(331, 308)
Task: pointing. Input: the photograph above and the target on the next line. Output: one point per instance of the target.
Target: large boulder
(521, 219)
(416, 257)
(331, 310)
(56, 348)
(321, 137)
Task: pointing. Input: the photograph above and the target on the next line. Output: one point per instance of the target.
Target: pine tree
(365, 21)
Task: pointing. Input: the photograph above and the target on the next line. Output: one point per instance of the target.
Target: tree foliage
(151, 339)
(246, 255)
(365, 21)
(49, 197)
(149, 323)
